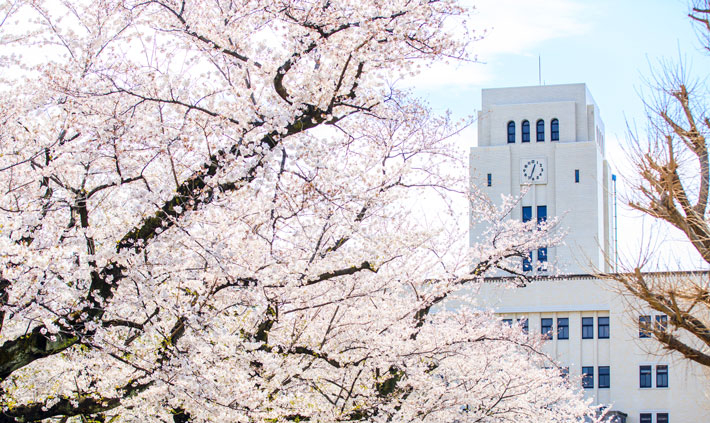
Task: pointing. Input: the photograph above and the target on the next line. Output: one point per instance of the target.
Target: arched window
(555, 130)
(526, 131)
(511, 132)
(540, 130)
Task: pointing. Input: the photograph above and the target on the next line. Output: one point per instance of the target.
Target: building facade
(546, 143)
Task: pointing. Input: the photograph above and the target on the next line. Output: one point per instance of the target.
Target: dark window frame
(645, 377)
(604, 376)
(603, 328)
(489, 178)
(576, 176)
(588, 377)
(511, 132)
(662, 376)
(587, 327)
(563, 328)
(525, 131)
(523, 321)
(661, 322)
(646, 418)
(540, 130)
(662, 418)
(554, 130)
(546, 327)
(645, 326)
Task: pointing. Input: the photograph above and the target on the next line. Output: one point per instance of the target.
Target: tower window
(645, 418)
(644, 376)
(562, 328)
(604, 377)
(541, 215)
(527, 262)
(527, 214)
(576, 176)
(511, 132)
(662, 418)
(490, 179)
(603, 328)
(588, 377)
(526, 131)
(661, 376)
(540, 130)
(555, 130)
(587, 327)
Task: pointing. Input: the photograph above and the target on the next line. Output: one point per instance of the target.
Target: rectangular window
(661, 376)
(546, 327)
(661, 322)
(562, 328)
(662, 418)
(587, 327)
(527, 214)
(542, 255)
(644, 376)
(541, 215)
(646, 418)
(564, 371)
(527, 262)
(644, 326)
(604, 377)
(603, 328)
(587, 377)
(576, 176)
(490, 179)
(524, 323)
(508, 322)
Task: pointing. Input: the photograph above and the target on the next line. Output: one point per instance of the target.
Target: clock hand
(532, 172)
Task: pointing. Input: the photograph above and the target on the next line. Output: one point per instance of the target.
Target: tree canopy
(206, 216)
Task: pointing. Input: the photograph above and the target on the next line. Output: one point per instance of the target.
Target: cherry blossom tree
(207, 216)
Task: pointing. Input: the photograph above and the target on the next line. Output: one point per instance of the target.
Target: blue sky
(611, 45)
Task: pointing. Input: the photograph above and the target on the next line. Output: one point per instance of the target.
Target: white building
(551, 139)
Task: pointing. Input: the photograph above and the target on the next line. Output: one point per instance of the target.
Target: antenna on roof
(539, 69)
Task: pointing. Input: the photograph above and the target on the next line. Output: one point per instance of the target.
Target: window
(603, 328)
(604, 378)
(587, 327)
(562, 328)
(644, 376)
(541, 215)
(546, 327)
(644, 326)
(645, 418)
(661, 322)
(524, 323)
(511, 132)
(527, 214)
(540, 130)
(526, 131)
(662, 418)
(661, 376)
(587, 377)
(508, 322)
(490, 179)
(555, 130)
(527, 262)
(576, 176)
(542, 257)
(564, 371)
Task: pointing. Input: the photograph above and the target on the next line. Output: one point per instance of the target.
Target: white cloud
(516, 26)
(510, 27)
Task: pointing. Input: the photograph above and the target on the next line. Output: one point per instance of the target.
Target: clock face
(533, 171)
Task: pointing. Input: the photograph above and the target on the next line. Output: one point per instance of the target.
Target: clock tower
(548, 143)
